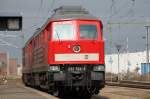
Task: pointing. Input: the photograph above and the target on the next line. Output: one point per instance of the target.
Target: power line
(51, 6)
(37, 16)
(130, 12)
(142, 23)
(113, 10)
(42, 17)
(113, 13)
(40, 7)
(110, 29)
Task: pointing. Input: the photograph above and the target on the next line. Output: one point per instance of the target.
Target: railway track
(131, 84)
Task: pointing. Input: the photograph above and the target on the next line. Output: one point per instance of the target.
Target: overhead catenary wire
(35, 24)
(128, 19)
(38, 11)
(130, 13)
(110, 17)
(48, 12)
(113, 12)
(43, 18)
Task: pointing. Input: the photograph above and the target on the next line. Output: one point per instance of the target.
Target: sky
(128, 19)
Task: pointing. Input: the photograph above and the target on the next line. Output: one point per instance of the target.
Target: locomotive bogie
(76, 77)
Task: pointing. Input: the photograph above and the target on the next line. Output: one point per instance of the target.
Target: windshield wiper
(57, 33)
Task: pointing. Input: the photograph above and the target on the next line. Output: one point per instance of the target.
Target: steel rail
(130, 84)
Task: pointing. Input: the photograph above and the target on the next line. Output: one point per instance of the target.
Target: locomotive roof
(71, 12)
(66, 13)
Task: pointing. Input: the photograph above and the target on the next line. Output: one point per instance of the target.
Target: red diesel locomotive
(66, 54)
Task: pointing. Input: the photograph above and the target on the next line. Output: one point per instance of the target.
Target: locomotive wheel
(56, 93)
(87, 95)
(61, 93)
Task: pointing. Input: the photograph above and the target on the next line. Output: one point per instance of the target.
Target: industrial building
(9, 66)
(127, 62)
(13, 66)
(3, 63)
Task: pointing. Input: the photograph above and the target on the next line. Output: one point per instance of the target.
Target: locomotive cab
(77, 42)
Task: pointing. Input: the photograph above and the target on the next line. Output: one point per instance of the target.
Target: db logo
(86, 57)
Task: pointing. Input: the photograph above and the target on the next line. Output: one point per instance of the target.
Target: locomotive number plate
(77, 57)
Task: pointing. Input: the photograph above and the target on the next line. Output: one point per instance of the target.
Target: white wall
(135, 59)
(19, 70)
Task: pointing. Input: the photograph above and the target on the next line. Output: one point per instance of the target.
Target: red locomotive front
(76, 42)
(66, 54)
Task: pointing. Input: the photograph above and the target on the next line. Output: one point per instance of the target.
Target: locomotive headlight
(54, 68)
(99, 68)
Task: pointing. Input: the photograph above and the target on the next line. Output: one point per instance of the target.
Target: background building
(9, 66)
(19, 69)
(128, 62)
(13, 66)
(3, 63)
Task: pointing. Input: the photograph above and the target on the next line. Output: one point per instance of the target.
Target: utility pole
(118, 47)
(111, 62)
(8, 65)
(147, 50)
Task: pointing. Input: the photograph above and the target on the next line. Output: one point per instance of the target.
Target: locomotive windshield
(88, 32)
(64, 32)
